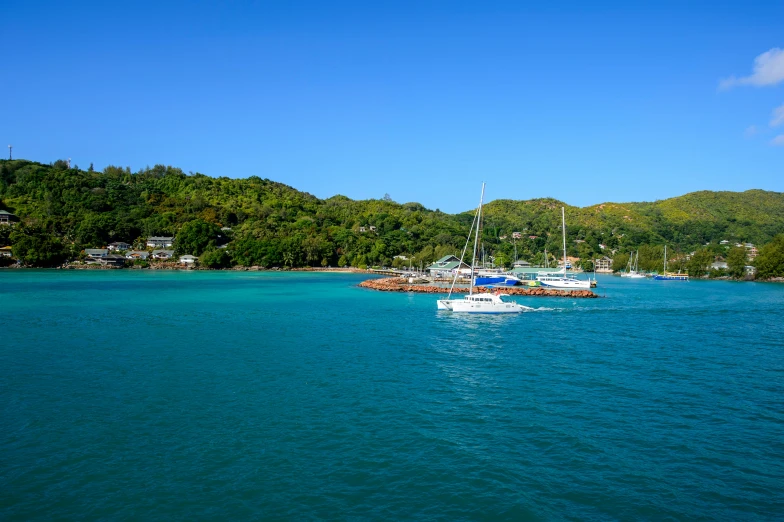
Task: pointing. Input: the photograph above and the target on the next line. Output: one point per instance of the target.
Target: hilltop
(272, 224)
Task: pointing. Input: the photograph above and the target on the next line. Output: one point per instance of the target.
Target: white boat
(633, 268)
(560, 280)
(480, 303)
(483, 303)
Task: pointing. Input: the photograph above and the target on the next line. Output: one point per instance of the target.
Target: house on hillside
(604, 265)
(119, 245)
(115, 260)
(446, 266)
(5, 251)
(160, 242)
(137, 254)
(95, 254)
(724, 242)
(521, 264)
(188, 260)
(6, 218)
(719, 265)
(162, 254)
(516, 235)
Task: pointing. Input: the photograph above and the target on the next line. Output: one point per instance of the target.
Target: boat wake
(540, 309)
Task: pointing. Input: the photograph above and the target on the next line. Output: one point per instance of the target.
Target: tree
(699, 263)
(736, 261)
(619, 262)
(343, 261)
(37, 247)
(215, 258)
(770, 261)
(195, 237)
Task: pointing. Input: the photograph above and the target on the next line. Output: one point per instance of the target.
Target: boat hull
(566, 284)
(671, 278)
(485, 308)
(444, 304)
(489, 280)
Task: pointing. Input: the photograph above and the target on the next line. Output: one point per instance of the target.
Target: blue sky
(421, 100)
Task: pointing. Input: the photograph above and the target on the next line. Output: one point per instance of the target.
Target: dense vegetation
(65, 210)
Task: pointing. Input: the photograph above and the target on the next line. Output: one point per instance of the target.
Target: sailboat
(479, 303)
(633, 270)
(561, 280)
(668, 276)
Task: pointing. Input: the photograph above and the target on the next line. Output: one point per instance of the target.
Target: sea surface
(156, 395)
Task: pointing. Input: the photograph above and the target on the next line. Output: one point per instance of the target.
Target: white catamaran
(560, 280)
(480, 303)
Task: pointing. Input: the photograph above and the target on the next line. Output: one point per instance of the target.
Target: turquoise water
(217, 395)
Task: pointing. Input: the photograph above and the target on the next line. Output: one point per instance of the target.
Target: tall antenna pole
(10, 149)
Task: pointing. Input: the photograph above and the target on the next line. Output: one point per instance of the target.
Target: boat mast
(563, 223)
(665, 259)
(476, 238)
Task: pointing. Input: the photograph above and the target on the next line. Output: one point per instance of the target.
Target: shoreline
(347, 270)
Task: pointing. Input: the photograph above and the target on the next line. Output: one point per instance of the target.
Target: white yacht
(480, 303)
(560, 280)
(633, 268)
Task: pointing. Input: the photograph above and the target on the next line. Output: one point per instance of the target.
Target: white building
(188, 260)
(160, 242)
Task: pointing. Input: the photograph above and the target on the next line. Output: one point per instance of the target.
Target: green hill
(64, 210)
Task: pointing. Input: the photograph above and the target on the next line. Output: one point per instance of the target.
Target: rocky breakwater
(396, 284)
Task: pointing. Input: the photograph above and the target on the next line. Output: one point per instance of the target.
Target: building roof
(446, 263)
(95, 251)
(6, 213)
(163, 251)
(119, 243)
(160, 238)
(188, 256)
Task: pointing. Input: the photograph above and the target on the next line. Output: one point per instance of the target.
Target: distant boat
(501, 279)
(482, 303)
(560, 280)
(632, 271)
(666, 276)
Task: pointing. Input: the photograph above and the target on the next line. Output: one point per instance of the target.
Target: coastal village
(159, 251)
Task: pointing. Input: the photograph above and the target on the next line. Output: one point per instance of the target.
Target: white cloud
(778, 116)
(778, 140)
(768, 70)
(751, 131)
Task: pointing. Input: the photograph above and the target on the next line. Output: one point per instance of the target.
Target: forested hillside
(64, 210)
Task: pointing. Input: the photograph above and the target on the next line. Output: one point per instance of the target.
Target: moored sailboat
(670, 276)
(560, 280)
